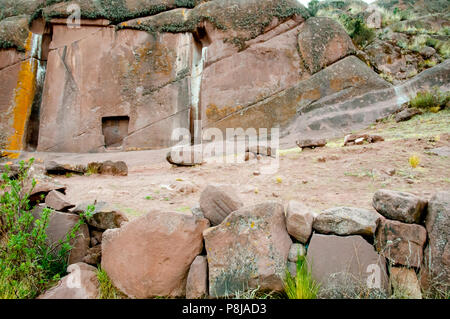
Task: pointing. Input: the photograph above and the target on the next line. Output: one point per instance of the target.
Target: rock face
(80, 283)
(218, 201)
(323, 41)
(299, 221)
(401, 243)
(404, 207)
(436, 272)
(343, 262)
(197, 280)
(150, 256)
(346, 221)
(248, 249)
(62, 223)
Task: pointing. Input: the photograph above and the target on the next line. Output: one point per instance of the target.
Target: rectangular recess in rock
(115, 129)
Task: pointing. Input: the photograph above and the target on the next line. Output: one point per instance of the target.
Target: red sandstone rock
(57, 201)
(80, 283)
(401, 243)
(150, 256)
(197, 280)
(299, 221)
(218, 201)
(248, 249)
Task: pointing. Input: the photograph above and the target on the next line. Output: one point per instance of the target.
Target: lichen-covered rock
(197, 280)
(93, 256)
(323, 41)
(119, 168)
(401, 206)
(151, 255)
(347, 221)
(299, 221)
(346, 263)
(296, 250)
(401, 243)
(80, 283)
(14, 32)
(248, 249)
(386, 57)
(436, 265)
(218, 201)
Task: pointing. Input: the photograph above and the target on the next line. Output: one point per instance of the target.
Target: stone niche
(107, 89)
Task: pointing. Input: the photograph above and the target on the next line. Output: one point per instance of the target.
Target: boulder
(80, 283)
(151, 255)
(405, 283)
(347, 221)
(296, 250)
(386, 57)
(323, 41)
(249, 249)
(43, 188)
(407, 114)
(401, 243)
(60, 167)
(93, 256)
(299, 221)
(119, 168)
(311, 143)
(436, 266)
(60, 224)
(105, 216)
(197, 280)
(427, 52)
(346, 263)
(400, 206)
(218, 201)
(57, 201)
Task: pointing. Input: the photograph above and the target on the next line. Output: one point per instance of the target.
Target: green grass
(106, 288)
(430, 99)
(302, 286)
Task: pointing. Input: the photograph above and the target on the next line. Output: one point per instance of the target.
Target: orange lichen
(23, 100)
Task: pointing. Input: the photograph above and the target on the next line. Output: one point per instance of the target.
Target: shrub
(430, 99)
(357, 30)
(302, 286)
(313, 7)
(28, 264)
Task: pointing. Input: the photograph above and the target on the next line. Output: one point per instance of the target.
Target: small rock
(256, 173)
(93, 256)
(296, 250)
(96, 237)
(359, 141)
(441, 151)
(351, 139)
(57, 201)
(407, 114)
(347, 221)
(185, 157)
(218, 201)
(113, 168)
(184, 187)
(401, 243)
(311, 143)
(401, 206)
(43, 188)
(299, 221)
(262, 150)
(427, 52)
(197, 280)
(104, 217)
(405, 283)
(197, 212)
(249, 156)
(80, 283)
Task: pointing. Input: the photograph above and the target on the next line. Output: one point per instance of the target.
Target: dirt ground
(321, 178)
